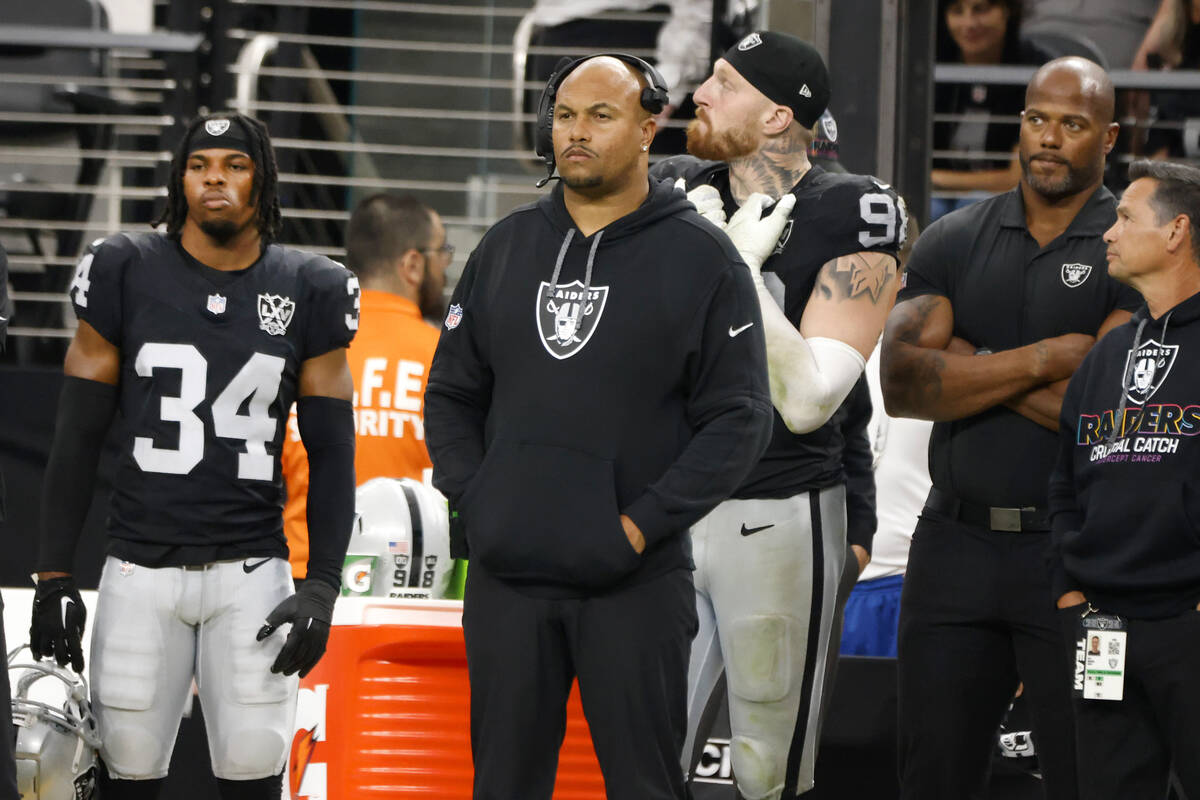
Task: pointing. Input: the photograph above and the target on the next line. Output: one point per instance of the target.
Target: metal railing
(406, 97)
(78, 149)
(425, 109)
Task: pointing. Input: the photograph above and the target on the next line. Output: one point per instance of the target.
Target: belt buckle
(1005, 519)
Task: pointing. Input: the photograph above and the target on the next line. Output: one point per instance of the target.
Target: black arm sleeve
(327, 430)
(858, 460)
(85, 411)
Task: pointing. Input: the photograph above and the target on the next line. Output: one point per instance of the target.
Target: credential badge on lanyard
(1100, 657)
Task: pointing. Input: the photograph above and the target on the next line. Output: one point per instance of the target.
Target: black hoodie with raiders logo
(1125, 495)
(580, 378)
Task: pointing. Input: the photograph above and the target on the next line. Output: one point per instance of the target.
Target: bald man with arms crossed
(1003, 300)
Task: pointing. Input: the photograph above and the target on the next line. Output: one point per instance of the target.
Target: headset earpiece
(654, 98)
(543, 141)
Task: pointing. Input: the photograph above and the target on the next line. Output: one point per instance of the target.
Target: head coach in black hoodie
(599, 386)
(1125, 500)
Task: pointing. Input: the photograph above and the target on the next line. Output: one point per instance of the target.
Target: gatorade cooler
(386, 713)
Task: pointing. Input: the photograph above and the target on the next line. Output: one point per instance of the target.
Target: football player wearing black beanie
(769, 561)
(196, 583)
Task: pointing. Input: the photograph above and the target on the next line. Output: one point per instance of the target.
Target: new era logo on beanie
(786, 69)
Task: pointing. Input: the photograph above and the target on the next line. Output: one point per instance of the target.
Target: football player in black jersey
(203, 339)
(769, 559)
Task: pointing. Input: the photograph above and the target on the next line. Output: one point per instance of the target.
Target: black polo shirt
(1007, 292)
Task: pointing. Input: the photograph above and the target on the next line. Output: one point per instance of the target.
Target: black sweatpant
(977, 618)
(1127, 747)
(629, 649)
(8, 766)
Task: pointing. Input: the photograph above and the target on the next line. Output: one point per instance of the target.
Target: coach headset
(654, 99)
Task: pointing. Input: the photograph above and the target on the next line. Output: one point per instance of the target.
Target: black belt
(1019, 520)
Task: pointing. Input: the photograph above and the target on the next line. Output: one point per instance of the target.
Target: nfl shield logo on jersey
(453, 317)
(216, 304)
(566, 318)
(274, 313)
(1075, 274)
(1147, 368)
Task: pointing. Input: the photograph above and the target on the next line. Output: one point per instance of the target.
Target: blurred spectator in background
(683, 45)
(978, 33)
(1118, 29)
(1164, 43)
(1176, 112)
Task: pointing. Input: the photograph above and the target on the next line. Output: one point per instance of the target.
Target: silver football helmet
(57, 737)
(400, 546)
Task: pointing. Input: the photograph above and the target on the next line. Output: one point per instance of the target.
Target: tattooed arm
(851, 299)
(925, 378)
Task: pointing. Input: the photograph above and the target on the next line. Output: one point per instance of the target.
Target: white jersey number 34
(258, 380)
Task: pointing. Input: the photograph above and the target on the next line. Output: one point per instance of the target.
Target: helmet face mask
(57, 739)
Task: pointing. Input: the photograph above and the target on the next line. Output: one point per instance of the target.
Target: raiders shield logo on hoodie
(1147, 368)
(566, 320)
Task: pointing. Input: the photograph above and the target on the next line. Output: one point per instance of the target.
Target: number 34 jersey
(836, 214)
(210, 363)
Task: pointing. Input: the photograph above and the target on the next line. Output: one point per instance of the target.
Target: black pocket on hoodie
(544, 513)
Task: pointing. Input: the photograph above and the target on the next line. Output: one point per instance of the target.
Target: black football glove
(310, 611)
(59, 615)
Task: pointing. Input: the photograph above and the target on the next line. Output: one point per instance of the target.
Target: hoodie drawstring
(562, 256)
(587, 280)
(1119, 420)
(587, 276)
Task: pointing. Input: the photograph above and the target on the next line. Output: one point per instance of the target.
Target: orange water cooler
(386, 713)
